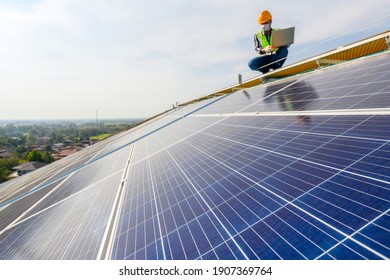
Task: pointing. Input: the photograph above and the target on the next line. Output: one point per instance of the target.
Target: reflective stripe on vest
(263, 39)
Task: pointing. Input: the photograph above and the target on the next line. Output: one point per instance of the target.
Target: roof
(5, 154)
(67, 151)
(295, 168)
(30, 166)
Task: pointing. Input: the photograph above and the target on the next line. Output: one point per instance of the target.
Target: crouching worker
(270, 57)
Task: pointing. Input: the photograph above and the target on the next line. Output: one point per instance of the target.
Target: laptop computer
(283, 37)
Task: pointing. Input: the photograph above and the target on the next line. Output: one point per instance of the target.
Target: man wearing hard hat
(270, 57)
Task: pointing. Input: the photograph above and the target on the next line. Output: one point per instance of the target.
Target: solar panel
(296, 168)
(274, 186)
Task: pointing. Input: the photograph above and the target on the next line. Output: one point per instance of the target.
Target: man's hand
(269, 49)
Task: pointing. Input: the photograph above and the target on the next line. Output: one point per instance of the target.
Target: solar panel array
(293, 169)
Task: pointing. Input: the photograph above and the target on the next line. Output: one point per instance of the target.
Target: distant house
(36, 148)
(5, 154)
(28, 167)
(66, 152)
(85, 142)
(58, 146)
(67, 142)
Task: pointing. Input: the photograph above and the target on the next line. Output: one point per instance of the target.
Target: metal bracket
(239, 79)
(318, 62)
(325, 61)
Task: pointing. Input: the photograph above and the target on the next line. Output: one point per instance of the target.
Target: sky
(67, 59)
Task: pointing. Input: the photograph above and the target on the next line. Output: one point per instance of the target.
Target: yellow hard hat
(264, 17)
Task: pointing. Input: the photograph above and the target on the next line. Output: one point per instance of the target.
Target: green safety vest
(263, 39)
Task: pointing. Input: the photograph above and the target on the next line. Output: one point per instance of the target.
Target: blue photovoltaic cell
(292, 178)
(72, 229)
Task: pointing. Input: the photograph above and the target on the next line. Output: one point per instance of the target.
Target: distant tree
(48, 148)
(32, 139)
(21, 151)
(36, 156)
(22, 140)
(3, 140)
(56, 137)
(48, 157)
(40, 156)
(6, 166)
(10, 129)
(4, 173)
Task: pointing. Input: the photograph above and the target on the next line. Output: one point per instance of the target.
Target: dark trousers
(265, 62)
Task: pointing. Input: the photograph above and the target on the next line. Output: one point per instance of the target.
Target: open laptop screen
(283, 37)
